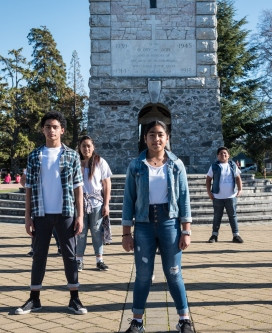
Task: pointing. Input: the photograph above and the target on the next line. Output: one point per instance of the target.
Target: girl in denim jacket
(157, 203)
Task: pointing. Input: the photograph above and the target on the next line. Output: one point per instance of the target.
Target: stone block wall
(192, 100)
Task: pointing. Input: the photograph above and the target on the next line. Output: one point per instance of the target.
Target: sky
(68, 21)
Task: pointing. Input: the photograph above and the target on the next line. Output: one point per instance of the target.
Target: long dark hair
(95, 158)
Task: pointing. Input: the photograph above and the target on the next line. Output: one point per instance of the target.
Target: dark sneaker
(184, 326)
(101, 266)
(135, 327)
(30, 305)
(30, 253)
(212, 239)
(237, 239)
(76, 306)
(59, 253)
(80, 265)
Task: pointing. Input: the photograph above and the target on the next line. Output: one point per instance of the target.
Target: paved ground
(9, 187)
(229, 286)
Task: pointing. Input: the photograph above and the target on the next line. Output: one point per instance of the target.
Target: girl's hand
(128, 243)
(184, 241)
(105, 210)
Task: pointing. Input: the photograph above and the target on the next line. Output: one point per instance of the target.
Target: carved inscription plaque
(154, 58)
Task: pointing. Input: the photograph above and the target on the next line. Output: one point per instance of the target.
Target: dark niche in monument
(153, 3)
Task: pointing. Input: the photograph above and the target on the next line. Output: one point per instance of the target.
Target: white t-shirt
(226, 183)
(94, 186)
(52, 195)
(158, 190)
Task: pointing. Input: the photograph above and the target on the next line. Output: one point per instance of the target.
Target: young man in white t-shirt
(223, 175)
(53, 191)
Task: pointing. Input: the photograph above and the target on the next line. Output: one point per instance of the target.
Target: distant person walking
(157, 197)
(53, 186)
(97, 190)
(223, 175)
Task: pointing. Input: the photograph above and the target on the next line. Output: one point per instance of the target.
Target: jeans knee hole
(174, 270)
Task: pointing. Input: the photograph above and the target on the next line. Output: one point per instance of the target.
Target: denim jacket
(217, 174)
(136, 196)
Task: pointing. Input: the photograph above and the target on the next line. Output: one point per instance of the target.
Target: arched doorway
(151, 112)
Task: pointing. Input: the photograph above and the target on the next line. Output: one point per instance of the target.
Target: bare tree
(263, 41)
(78, 100)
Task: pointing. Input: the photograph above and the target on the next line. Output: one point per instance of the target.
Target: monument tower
(154, 59)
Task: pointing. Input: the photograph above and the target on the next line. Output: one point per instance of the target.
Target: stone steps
(12, 203)
(246, 197)
(12, 219)
(209, 211)
(254, 205)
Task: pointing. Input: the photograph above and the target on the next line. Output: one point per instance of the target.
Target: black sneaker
(212, 239)
(184, 326)
(237, 239)
(76, 306)
(80, 265)
(101, 266)
(135, 327)
(30, 253)
(30, 305)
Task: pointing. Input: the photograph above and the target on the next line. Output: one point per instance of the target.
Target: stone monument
(154, 59)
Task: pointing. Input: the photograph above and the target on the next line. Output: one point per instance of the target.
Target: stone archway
(151, 112)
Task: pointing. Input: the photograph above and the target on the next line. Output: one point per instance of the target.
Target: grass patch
(9, 190)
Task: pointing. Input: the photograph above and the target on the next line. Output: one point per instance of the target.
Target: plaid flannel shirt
(71, 178)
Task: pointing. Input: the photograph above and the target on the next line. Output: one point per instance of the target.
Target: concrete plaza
(229, 286)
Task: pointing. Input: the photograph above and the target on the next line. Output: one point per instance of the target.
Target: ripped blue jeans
(93, 222)
(163, 233)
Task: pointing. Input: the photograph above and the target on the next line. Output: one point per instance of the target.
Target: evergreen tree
(3, 93)
(49, 81)
(240, 104)
(17, 107)
(259, 141)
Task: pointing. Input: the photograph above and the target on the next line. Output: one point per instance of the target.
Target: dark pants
(43, 232)
(218, 207)
(55, 236)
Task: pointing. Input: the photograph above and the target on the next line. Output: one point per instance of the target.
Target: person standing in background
(97, 190)
(224, 174)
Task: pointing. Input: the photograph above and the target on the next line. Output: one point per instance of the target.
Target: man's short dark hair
(222, 148)
(54, 115)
